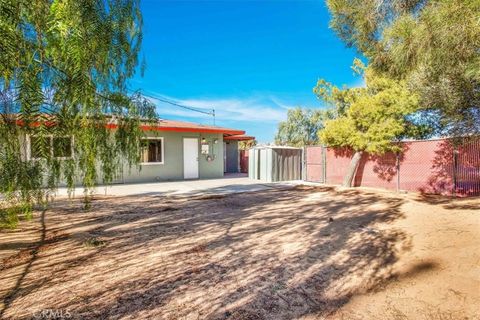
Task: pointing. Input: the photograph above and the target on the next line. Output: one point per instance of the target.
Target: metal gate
(315, 164)
(466, 164)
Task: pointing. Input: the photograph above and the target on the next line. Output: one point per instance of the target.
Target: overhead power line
(173, 103)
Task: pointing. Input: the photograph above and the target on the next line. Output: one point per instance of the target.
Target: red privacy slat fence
(243, 161)
(434, 166)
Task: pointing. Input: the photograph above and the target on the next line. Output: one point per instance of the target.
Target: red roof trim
(21, 123)
(202, 130)
(158, 128)
(184, 129)
(238, 138)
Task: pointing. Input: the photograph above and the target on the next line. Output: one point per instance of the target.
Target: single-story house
(177, 150)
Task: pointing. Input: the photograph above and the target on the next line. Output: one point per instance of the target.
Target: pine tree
(370, 119)
(431, 44)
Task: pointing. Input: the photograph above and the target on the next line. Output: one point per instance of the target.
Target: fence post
(324, 164)
(304, 163)
(398, 172)
(455, 167)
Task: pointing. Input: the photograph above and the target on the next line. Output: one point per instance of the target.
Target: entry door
(190, 158)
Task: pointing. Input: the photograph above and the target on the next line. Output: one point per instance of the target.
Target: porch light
(204, 140)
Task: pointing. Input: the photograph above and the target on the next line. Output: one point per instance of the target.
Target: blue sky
(251, 60)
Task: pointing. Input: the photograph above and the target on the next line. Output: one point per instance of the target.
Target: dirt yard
(302, 253)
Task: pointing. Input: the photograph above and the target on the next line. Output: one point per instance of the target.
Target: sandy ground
(303, 253)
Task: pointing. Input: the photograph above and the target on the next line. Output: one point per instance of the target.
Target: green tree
(301, 127)
(372, 119)
(432, 44)
(63, 71)
(247, 144)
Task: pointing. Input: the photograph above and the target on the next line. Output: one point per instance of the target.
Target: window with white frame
(57, 147)
(152, 151)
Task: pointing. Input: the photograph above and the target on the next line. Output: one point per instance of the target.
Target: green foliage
(63, 72)
(431, 44)
(301, 127)
(94, 242)
(10, 216)
(247, 144)
(372, 118)
(360, 23)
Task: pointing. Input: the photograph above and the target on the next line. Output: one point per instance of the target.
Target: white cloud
(236, 109)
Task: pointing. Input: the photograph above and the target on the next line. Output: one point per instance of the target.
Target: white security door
(190, 158)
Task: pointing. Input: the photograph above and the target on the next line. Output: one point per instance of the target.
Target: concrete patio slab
(233, 183)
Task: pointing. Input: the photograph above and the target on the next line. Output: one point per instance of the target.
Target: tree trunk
(352, 169)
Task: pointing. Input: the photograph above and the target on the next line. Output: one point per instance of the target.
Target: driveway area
(230, 183)
(279, 253)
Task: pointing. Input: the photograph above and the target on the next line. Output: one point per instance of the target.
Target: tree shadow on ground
(449, 202)
(274, 254)
(29, 259)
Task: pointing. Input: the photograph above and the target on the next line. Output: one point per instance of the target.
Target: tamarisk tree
(370, 119)
(64, 66)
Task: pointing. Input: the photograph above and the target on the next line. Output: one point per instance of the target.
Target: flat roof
(163, 125)
(183, 126)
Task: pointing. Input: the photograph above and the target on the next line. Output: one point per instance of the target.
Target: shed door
(190, 158)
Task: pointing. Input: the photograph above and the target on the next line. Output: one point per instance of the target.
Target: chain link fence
(443, 166)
